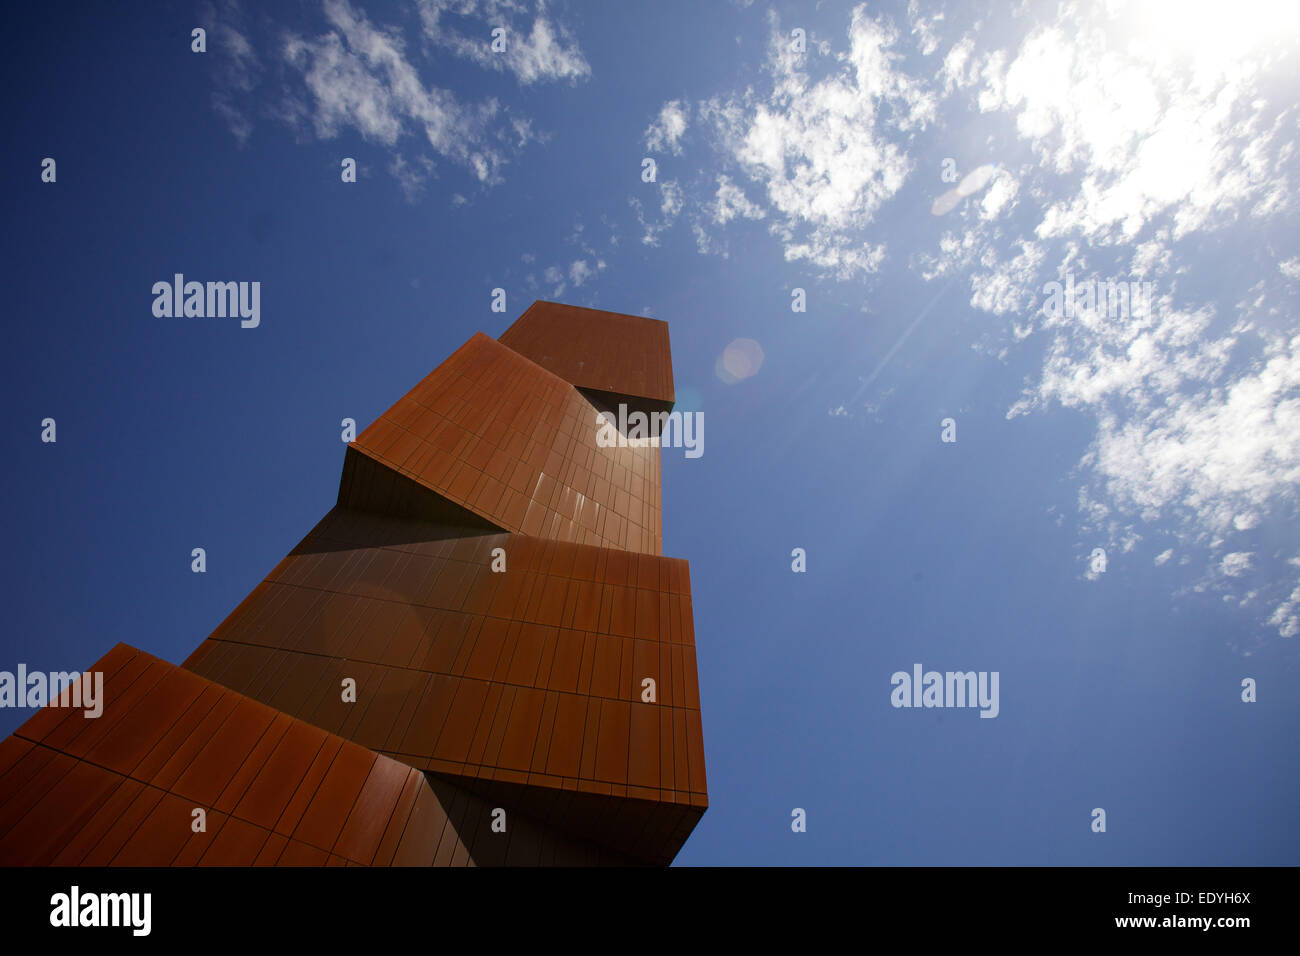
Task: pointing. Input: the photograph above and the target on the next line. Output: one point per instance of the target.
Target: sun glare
(1212, 31)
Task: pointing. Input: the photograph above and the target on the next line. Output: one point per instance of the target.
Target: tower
(479, 655)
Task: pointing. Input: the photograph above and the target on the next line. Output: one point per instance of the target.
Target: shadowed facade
(491, 582)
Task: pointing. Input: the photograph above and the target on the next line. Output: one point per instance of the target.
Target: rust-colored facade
(478, 656)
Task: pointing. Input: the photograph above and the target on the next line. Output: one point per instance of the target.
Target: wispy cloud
(1136, 145)
(359, 75)
(531, 46)
(1137, 152)
(237, 69)
(665, 133)
(816, 154)
(671, 201)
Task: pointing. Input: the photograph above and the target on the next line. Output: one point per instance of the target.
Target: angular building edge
(544, 712)
(184, 772)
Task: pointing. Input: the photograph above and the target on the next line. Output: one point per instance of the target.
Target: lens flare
(739, 361)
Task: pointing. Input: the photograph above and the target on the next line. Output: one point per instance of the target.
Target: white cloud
(358, 76)
(730, 201)
(1145, 141)
(555, 277)
(236, 67)
(1236, 564)
(836, 255)
(1177, 432)
(665, 134)
(1004, 288)
(582, 270)
(1286, 616)
(523, 130)
(671, 201)
(540, 52)
(923, 28)
(820, 152)
(956, 72)
(1000, 198)
(1142, 155)
(412, 177)
(706, 244)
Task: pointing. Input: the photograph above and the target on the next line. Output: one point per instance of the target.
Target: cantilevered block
(123, 789)
(503, 441)
(563, 686)
(624, 356)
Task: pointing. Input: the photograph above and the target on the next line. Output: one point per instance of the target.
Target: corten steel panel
(531, 677)
(519, 690)
(300, 799)
(626, 355)
(505, 441)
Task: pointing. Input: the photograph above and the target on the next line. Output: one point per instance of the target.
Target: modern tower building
(479, 655)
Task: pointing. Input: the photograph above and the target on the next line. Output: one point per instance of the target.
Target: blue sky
(1149, 142)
